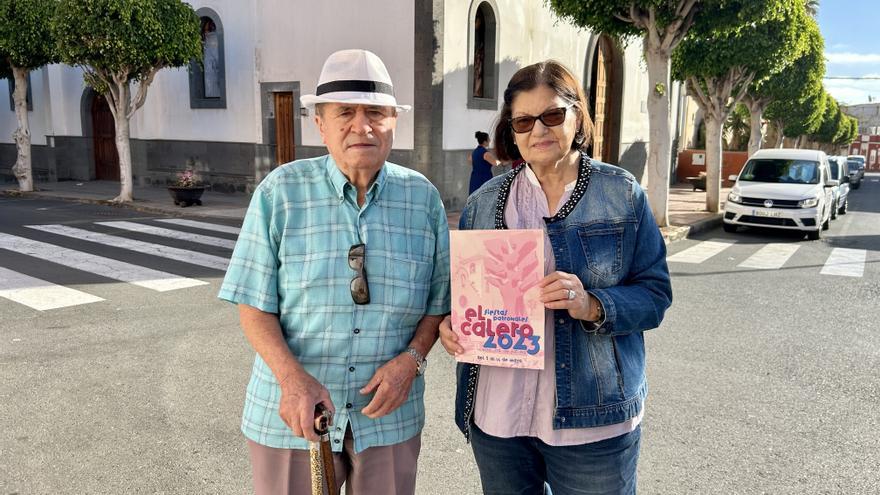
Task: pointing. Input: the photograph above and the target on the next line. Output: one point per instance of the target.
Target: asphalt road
(761, 380)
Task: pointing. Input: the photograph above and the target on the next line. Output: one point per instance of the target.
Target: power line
(857, 78)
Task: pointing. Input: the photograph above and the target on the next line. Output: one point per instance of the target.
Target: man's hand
(300, 394)
(391, 384)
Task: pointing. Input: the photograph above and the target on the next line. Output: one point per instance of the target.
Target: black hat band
(354, 86)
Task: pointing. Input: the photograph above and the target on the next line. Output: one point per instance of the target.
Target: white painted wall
(38, 119)
(634, 117)
(529, 33)
(296, 36)
(66, 87)
(167, 114)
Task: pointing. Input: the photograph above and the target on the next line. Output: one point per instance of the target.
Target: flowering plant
(186, 179)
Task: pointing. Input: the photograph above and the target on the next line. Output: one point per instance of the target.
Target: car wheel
(834, 212)
(844, 207)
(729, 227)
(814, 235)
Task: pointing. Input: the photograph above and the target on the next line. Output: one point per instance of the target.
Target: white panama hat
(354, 76)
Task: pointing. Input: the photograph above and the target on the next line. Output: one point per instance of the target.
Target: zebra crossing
(42, 295)
(839, 262)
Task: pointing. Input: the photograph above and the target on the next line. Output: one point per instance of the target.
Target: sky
(851, 29)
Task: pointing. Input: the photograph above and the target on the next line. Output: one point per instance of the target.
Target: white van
(782, 189)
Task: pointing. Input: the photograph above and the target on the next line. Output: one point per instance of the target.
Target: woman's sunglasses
(550, 118)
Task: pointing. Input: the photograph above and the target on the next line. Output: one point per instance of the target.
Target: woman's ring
(571, 294)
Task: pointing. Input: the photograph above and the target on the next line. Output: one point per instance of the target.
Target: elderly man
(341, 277)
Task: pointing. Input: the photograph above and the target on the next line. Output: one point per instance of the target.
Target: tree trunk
(714, 126)
(756, 137)
(123, 143)
(756, 114)
(780, 134)
(660, 144)
(22, 135)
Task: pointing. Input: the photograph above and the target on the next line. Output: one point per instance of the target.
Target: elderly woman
(575, 424)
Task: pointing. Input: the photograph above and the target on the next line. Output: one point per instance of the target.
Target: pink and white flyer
(496, 310)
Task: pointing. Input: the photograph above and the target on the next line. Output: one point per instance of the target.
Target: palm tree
(738, 127)
(812, 7)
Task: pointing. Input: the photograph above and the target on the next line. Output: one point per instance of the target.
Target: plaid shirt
(291, 258)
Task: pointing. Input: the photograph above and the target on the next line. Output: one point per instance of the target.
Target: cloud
(853, 92)
(852, 58)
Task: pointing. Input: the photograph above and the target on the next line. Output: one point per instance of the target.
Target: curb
(676, 233)
(177, 212)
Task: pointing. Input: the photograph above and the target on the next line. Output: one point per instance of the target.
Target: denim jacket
(606, 235)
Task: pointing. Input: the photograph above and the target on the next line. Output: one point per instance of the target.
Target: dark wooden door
(284, 143)
(599, 119)
(605, 102)
(106, 156)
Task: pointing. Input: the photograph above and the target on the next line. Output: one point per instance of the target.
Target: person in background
(482, 161)
(574, 425)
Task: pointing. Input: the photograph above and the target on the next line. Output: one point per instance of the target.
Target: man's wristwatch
(421, 362)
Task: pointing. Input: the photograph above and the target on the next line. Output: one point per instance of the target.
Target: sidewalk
(686, 207)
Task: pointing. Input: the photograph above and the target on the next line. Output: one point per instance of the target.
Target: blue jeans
(522, 465)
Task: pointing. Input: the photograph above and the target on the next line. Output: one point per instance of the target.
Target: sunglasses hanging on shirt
(360, 290)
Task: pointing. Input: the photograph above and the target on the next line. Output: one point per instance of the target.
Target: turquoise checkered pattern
(291, 258)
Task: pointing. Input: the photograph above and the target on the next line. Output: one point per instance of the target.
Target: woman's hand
(448, 337)
(556, 289)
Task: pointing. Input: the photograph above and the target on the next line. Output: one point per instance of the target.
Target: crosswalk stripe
(770, 257)
(699, 253)
(172, 234)
(39, 294)
(845, 262)
(201, 225)
(105, 267)
(186, 256)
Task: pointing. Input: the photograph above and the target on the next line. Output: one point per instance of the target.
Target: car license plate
(765, 213)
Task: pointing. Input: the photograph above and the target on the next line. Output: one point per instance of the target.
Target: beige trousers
(389, 470)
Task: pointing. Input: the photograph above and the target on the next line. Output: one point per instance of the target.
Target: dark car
(856, 164)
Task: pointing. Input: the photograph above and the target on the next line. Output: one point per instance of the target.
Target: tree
(737, 127)
(798, 117)
(718, 67)
(802, 77)
(832, 126)
(812, 7)
(662, 24)
(25, 44)
(120, 42)
(850, 132)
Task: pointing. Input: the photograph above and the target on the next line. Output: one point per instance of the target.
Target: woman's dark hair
(481, 136)
(560, 80)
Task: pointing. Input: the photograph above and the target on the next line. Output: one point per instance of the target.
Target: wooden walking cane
(321, 455)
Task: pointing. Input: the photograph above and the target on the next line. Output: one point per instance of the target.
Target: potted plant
(187, 190)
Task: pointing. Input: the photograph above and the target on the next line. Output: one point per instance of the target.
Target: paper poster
(496, 310)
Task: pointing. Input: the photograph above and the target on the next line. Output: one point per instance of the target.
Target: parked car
(840, 173)
(783, 189)
(856, 164)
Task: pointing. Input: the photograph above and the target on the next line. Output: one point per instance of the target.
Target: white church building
(240, 116)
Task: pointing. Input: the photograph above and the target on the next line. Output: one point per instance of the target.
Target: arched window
(482, 51)
(207, 81)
